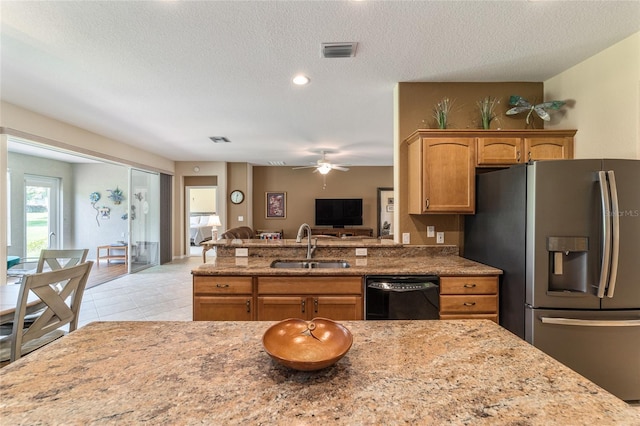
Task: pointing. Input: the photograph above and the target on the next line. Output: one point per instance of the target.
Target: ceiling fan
(323, 166)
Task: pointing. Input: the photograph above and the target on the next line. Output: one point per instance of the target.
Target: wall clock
(237, 196)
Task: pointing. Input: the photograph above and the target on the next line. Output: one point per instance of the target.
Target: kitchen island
(397, 372)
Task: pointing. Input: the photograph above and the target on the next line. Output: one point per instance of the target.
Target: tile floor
(160, 293)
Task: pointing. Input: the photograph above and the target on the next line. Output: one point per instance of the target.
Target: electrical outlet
(431, 231)
(361, 252)
(406, 238)
(242, 252)
(240, 218)
(440, 238)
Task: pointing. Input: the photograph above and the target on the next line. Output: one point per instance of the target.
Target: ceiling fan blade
(303, 167)
(341, 168)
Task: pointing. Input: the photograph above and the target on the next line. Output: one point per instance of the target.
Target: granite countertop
(397, 372)
(427, 265)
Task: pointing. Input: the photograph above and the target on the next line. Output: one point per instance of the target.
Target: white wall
(91, 233)
(606, 92)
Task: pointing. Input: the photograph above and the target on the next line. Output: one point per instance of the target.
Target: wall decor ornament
(520, 104)
(116, 195)
(105, 212)
(94, 197)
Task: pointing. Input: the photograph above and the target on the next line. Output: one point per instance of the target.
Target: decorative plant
(441, 112)
(116, 195)
(94, 197)
(487, 107)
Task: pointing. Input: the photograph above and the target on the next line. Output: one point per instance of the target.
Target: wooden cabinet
(337, 298)
(469, 297)
(441, 174)
(223, 298)
(507, 147)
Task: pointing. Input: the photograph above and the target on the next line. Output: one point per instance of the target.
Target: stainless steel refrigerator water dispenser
(568, 264)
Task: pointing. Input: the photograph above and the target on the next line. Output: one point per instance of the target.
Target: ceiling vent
(339, 50)
(219, 139)
(277, 163)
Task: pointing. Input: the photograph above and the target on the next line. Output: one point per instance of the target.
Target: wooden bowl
(307, 345)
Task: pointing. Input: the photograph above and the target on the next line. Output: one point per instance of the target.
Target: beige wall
(414, 104)
(604, 94)
(304, 186)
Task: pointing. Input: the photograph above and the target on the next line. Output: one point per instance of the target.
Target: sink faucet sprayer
(301, 230)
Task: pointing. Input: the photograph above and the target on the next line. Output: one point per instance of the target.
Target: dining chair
(52, 258)
(62, 308)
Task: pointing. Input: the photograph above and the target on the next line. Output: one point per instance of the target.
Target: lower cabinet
(469, 297)
(337, 298)
(223, 298)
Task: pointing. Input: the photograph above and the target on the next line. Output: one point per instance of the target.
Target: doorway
(200, 204)
(42, 223)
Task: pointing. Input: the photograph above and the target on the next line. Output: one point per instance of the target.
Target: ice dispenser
(568, 263)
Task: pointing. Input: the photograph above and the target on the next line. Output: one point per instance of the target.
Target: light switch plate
(240, 218)
(406, 238)
(440, 238)
(361, 252)
(242, 252)
(431, 231)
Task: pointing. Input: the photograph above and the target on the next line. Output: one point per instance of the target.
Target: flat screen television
(338, 212)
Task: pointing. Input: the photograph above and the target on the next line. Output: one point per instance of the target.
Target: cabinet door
(448, 175)
(278, 308)
(337, 307)
(548, 148)
(222, 308)
(499, 151)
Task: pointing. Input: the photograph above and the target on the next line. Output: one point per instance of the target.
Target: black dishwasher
(401, 297)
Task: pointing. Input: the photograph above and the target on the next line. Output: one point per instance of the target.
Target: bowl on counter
(307, 345)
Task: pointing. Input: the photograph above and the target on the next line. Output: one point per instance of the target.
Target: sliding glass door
(42, 223)
(144, 220)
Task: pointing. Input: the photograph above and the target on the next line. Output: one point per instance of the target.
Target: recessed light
(300, 80)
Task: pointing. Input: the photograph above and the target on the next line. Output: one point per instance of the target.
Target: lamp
(214, 222)
(324, 168)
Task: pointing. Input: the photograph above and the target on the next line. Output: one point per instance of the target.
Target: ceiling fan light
(324, 169)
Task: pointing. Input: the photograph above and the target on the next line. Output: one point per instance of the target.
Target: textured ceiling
(167, 75)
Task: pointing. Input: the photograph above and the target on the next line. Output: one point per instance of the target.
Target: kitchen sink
(309, 264)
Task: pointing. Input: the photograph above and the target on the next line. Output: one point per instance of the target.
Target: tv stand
(343, 232)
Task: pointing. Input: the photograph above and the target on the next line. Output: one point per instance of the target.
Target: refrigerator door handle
(606, 233)
(615, 233)
(591, 323)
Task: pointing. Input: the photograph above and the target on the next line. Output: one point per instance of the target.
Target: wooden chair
(62, 308)
(54, 259)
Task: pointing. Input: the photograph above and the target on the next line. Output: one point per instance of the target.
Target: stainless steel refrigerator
(566, 234)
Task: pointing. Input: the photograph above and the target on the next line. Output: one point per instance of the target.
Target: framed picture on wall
(276, 205)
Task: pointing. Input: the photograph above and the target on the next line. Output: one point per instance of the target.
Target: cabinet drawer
(222, 285)
(310, 285)
(499, 151)
(469, 285)
(469, 304)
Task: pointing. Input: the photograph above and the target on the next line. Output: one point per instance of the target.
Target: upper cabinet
(441, 174)
(509, 147)
(442, 163)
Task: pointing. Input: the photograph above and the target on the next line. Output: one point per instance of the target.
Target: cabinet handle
(248, 305)
(518, 158)
(222, 285)
(426, 204)
(303, 304)
(469, 303)
(315, 305)
(471, 285)
(529, 160)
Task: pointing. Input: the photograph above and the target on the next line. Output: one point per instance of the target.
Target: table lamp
(214, 222)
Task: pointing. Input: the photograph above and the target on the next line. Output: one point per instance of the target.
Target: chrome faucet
(310, 249)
